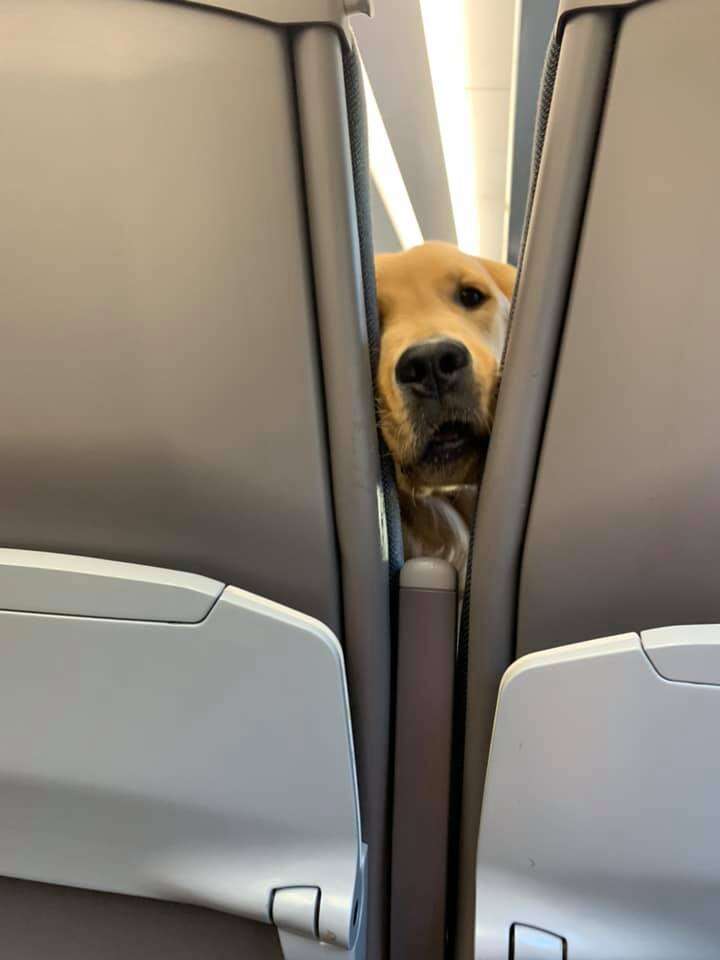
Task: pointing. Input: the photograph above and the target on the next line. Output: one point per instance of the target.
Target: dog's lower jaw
(423, 478)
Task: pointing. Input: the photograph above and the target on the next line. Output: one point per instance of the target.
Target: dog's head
(443, 319)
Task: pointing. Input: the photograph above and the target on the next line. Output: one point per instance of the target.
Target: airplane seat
(189, 436)
(598, 511)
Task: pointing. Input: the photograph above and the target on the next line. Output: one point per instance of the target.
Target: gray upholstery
(177, 335)
(565, 149)
(571, 8)
(376, 699)
(624, 529)
(424, 688)
(598, 513)
(43, 922)
(360, 512)
(361, 178)
(159, 358)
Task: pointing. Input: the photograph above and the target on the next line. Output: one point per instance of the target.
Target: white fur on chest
(446, 523)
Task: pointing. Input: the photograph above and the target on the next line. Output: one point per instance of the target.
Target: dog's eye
(471, 297)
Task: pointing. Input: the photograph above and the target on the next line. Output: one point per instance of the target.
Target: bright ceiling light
(444, 26)
(386, 174)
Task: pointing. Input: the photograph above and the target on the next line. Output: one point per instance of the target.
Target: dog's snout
(433, 369)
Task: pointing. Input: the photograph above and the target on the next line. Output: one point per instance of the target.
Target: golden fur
(418, 296)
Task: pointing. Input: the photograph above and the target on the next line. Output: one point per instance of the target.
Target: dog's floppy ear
(503, 274)
(381, 258)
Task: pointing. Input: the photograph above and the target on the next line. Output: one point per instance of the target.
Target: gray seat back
(187, 286)
(598, 511)
(160, 358)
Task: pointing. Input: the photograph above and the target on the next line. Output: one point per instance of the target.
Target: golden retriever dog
(443, 317)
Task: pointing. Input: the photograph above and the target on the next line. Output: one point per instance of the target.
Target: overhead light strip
(387, 175)
(444, 26)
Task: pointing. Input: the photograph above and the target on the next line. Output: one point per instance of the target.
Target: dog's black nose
(433, 369)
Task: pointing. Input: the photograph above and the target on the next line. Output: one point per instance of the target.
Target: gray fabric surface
(461, 668)
(45, 922)
(361, 174)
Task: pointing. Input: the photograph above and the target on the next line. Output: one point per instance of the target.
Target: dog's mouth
(451, 441)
